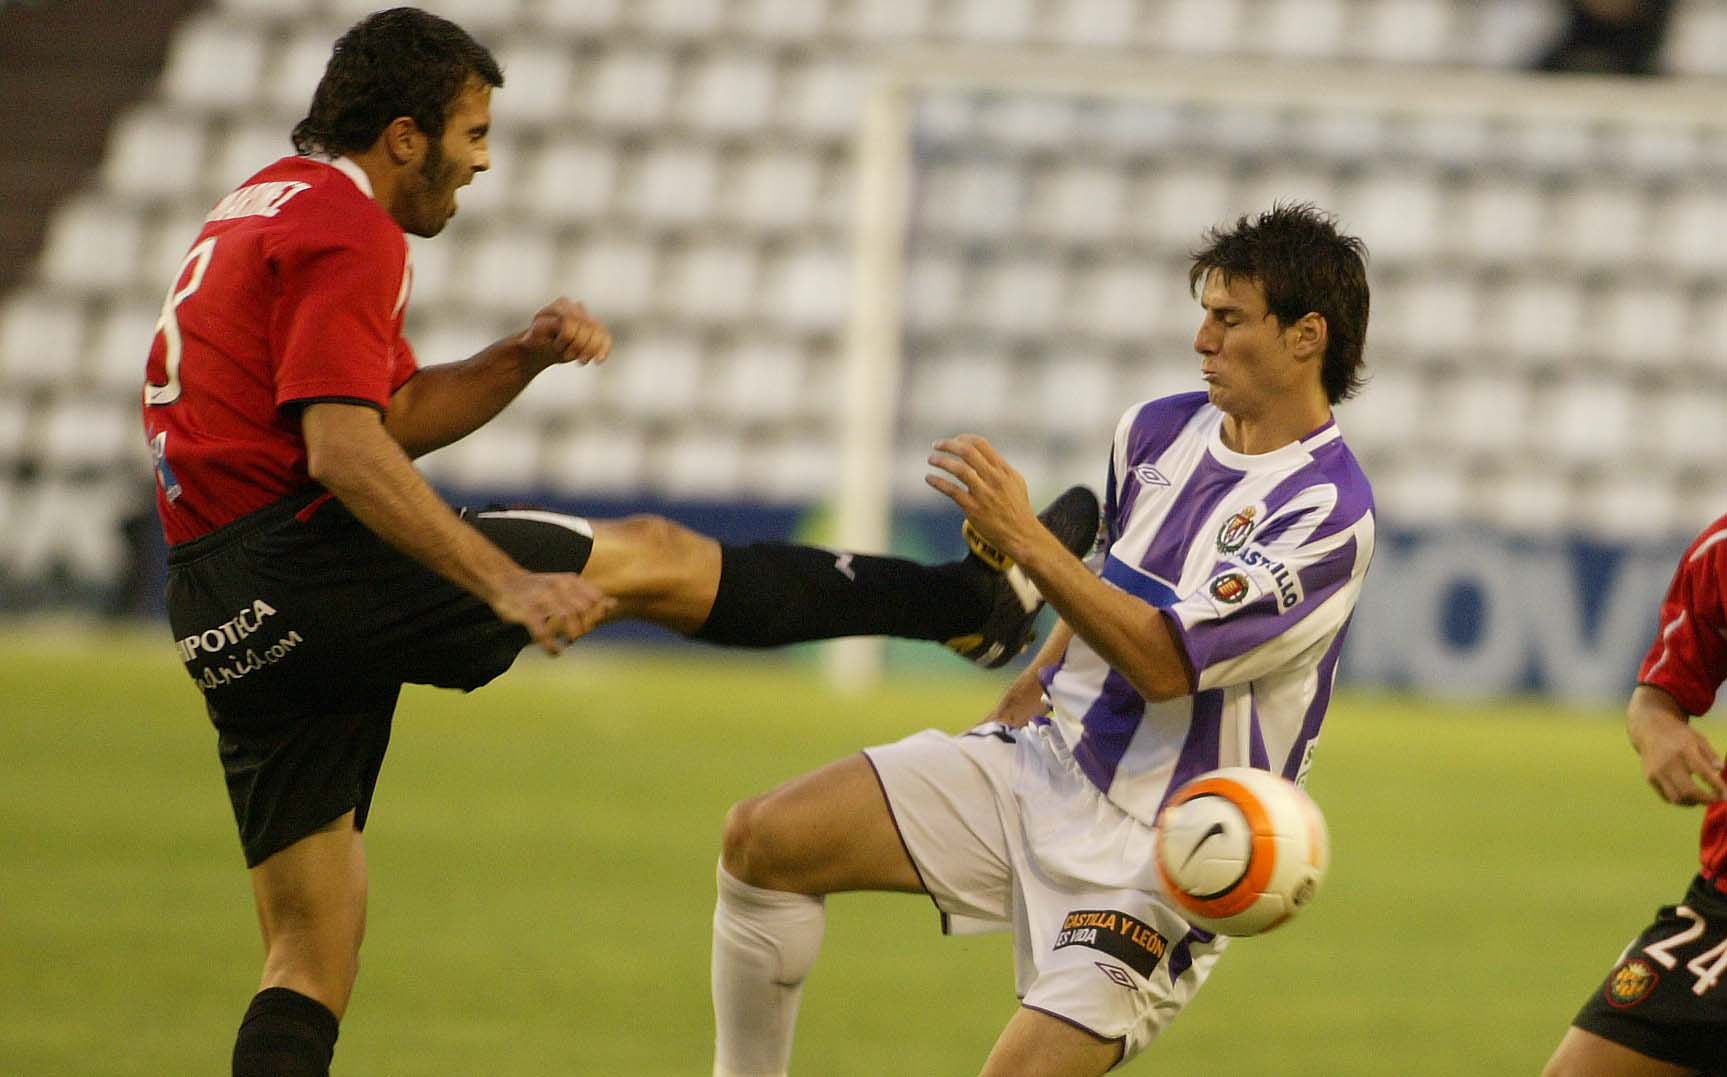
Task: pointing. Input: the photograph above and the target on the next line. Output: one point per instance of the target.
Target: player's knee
(756, 846)
(665, 555)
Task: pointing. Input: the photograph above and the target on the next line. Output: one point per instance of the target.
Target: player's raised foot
(1073, 518)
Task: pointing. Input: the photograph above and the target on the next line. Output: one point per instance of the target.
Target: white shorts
(1006, 832)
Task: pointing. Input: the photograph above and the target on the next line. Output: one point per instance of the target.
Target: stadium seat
(113, 362)
(699, 464)
(80, 437)
(1688, 433)
(1094, 24)
(1643, 324)
(673, 183)
(631, 88)
(774, 188)
(246, 148)
(72, 526)
(657, 376)
(952, 391)
(1077, 200)
(797, 469)
(596, 457)
(673, 19)
(1600, 225)
(808, 288)
(1399, 208)
(990, 22)
(434, 265)
(1507, 33)
(971, 198)
(615, 274)
(935, 283)
(570, 179)
(502, 456)
(1200, 27)
(1389, 415)
(783, 20)
(1481, 413)
(1129, 299)
(590, 18)
(153, 154)
(512, 272)
(1018, 295)
(537, 84)
(1688, 226)
(482, 18)
(451, 339)
(890, 23)
(268, 10)
(15, 442)
(1536, 501)
(1313, 29)
(759, 380)
(1696, 39)
(215, 65)
(41, 340)
(1585, 420)
(1536, 319)
(1500, 219)
(712, 281)
(92, 246)
(1074, 392)
(1407, 31)
(729, 92)
(822, 98)
(1421, 492)
(1177, 203)
(295, 70)
(1628, 503)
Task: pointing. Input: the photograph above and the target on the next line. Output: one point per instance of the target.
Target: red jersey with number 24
(1689, 659)
(294, 293)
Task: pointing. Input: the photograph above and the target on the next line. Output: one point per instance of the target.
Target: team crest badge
(1229, 588)
(1232, 536)
(1630, 983)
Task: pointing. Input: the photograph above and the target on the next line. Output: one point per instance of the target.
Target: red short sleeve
(335, 331)
(1688, 659)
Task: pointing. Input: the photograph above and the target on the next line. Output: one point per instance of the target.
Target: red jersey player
(1662, 1011)
(312, 571)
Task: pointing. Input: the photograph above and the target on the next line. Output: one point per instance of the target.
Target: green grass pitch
(542, 856)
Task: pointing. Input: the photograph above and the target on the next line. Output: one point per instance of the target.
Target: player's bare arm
(1678, 761)
(1130, 634)
(1024, 699)
(351, 455)
(442, 404)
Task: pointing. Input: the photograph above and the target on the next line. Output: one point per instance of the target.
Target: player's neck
(384, 174)
(1254, 435)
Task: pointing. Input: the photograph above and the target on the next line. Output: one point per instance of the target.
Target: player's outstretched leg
(771, 594)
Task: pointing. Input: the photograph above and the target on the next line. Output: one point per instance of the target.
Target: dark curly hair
(1297, 255)
(400, 62)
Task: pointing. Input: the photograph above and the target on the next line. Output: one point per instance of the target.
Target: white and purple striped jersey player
(1257, 560)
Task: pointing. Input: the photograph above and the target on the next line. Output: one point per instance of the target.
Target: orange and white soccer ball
(1241, 850)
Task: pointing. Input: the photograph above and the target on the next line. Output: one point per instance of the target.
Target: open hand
(557, 608)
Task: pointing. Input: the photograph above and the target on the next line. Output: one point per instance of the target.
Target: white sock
(765, 942)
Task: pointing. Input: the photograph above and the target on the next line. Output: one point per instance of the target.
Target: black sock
(285, 1034)
(771, 593)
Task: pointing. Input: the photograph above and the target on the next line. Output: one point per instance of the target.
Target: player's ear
(404, 141)
(1307, 336)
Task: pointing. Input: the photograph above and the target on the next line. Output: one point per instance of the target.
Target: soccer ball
(1241, 850)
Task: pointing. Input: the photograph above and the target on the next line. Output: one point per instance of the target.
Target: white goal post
(884, 161)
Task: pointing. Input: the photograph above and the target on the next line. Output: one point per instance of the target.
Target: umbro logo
(1150, 476)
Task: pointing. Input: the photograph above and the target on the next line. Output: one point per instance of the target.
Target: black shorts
(1667, 996)
(301, 626)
